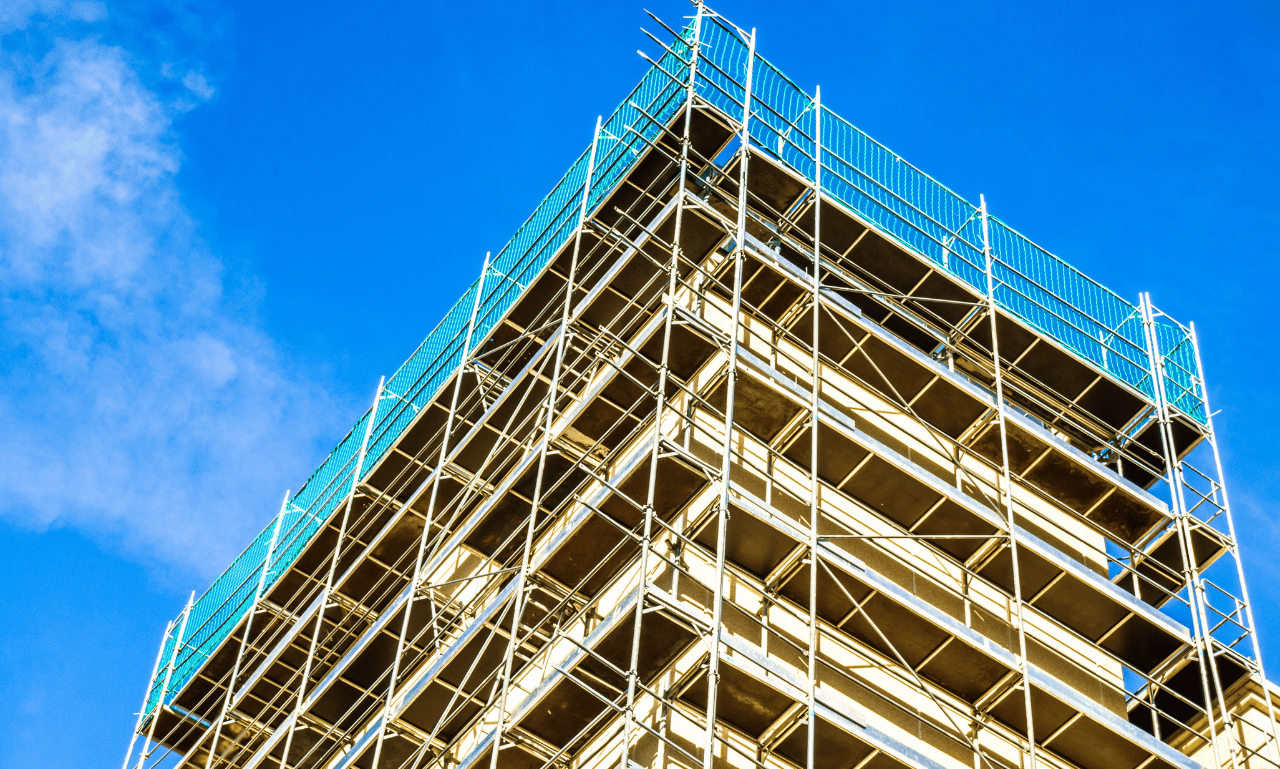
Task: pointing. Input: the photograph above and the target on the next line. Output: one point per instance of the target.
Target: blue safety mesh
(1055, 298)
(859, 172)
(913, 208)
(1182, 384)
(908, 205)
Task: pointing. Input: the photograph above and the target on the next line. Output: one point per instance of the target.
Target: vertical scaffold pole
(722, 520)
(1235, 551)
(552, 393)
(168, 676)
(812, 736)
(673, 283)
(244, 639)
(1006, 482)
(155, 669)
(333, 570)
(431, 508)
(1190, 572)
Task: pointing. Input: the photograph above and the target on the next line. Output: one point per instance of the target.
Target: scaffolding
(754, 447)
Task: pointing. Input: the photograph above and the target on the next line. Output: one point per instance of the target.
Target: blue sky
(221, 222)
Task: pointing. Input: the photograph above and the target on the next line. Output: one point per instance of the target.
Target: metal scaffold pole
(416, 579)
(244, 639)
(664, 370)
(1006, 484)
(726, 461)
(356, 475)
(1273, 738)
(814, 394)
(146, 697)
(522, 579)
(168, 676)
(1202, 636)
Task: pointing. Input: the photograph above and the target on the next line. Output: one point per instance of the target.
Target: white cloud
(137, 402)
(198, 85)
(15, 14)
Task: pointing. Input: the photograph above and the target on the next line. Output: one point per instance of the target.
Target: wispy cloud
(17, 14)
(138, 398)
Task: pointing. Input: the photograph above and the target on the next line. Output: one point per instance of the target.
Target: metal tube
(147, 695)
(552, 390)
(168, 676)
(1006, 495)
(333, 566)
(812, 660)
(673, 280)
(722, 521)
(1235, 549)
(244, 639)
(431, 506)
(1190, 574)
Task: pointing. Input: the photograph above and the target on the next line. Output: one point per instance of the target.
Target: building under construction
(754, 447)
